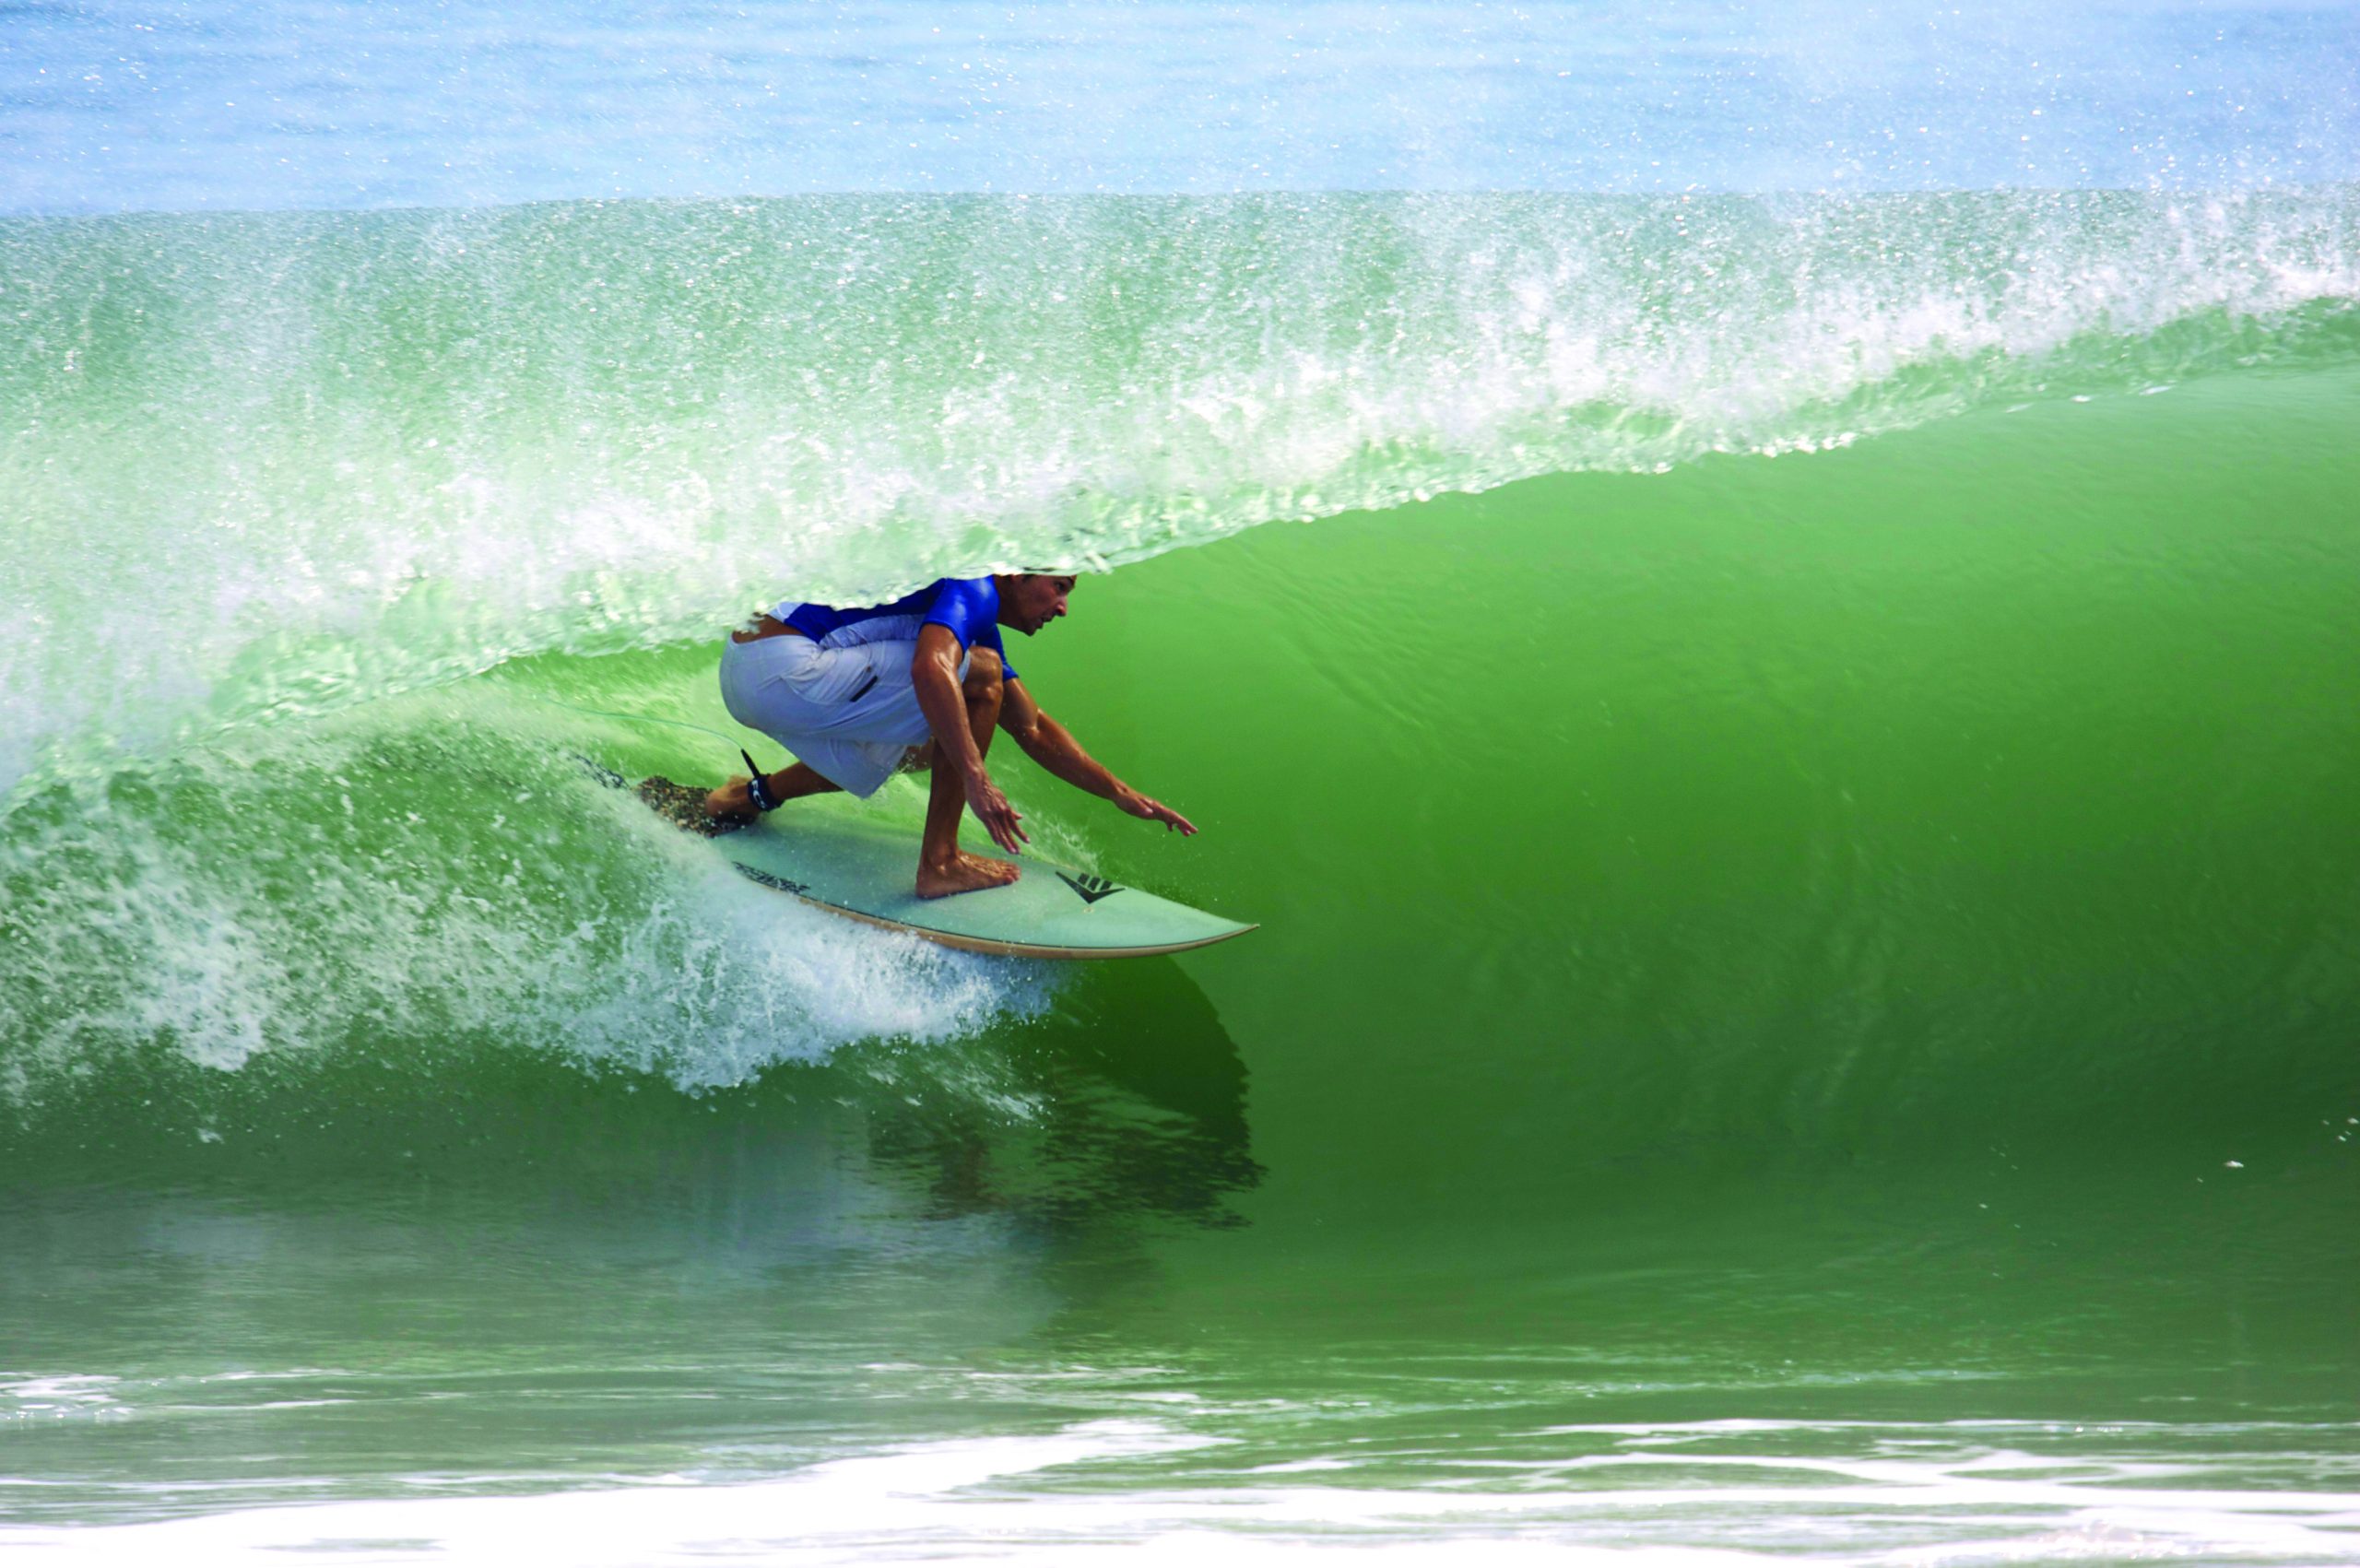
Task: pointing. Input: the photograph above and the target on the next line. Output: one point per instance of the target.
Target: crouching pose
(856, 694)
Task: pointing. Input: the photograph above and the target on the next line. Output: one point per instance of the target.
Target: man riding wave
(857, 694)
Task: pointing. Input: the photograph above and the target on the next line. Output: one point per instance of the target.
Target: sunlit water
(1765, 609)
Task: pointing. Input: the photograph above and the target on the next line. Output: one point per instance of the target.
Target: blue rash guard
(968, 605)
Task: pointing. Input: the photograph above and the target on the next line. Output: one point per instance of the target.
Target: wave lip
(273, 466)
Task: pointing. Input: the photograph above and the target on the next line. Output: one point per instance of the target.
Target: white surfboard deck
(868, 871)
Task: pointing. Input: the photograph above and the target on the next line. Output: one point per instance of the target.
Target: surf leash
(758, 790)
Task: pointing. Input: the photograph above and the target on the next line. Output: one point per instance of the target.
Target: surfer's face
(1035, 600)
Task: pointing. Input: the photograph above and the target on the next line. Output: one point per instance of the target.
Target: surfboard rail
(996, 948)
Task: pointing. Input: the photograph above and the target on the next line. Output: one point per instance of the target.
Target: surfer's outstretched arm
(1053, 746)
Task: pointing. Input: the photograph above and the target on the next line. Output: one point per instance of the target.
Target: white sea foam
(242, 904)
(1048, 1498)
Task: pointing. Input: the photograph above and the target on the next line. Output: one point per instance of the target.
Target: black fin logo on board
(1092, 888)
(766, 879)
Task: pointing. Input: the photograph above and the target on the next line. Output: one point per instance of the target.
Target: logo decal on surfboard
(766, 879)
(1092, 888)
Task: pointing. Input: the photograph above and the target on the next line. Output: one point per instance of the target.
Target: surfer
(857, 694)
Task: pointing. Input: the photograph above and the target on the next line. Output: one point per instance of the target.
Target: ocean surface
(1763, 609)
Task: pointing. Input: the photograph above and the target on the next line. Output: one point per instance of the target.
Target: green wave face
(271, 469)
(1677, 745)
(1979, 788)
(1793, 758)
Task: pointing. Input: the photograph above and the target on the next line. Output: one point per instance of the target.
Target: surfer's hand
(1138, 805)
(999, 819)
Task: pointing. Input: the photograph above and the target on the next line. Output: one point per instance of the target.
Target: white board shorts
(849, 713)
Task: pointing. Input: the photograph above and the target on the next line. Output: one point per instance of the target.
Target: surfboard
(868, 871)
(865, 872)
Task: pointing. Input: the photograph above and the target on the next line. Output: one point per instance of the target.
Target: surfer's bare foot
(685, 806)
(964, 873)
(732, 804)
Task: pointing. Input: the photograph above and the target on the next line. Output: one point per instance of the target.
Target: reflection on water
(1138, 1103)
(496, 1263)
(1127, 1102)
